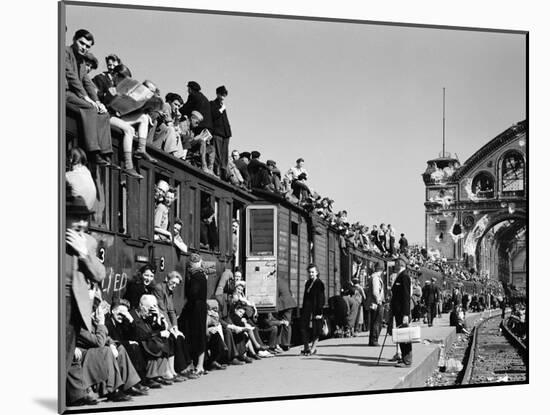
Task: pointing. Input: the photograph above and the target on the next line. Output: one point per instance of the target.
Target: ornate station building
(476, 213)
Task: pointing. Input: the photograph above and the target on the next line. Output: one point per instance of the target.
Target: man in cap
(375, 299)
(401, 306)
(82, 269)
(198, 102)
(259, 174)
(221, 132)
(196, 143)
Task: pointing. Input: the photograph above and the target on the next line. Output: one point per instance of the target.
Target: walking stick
(385, 337)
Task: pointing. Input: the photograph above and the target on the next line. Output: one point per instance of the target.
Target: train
(273, 245)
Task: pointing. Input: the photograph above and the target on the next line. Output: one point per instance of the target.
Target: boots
(129, 167)
(141, 153)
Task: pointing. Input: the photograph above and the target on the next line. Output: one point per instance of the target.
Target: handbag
(324, 329)
(410, 334)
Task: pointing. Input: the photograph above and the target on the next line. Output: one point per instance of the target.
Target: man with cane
(401, 307)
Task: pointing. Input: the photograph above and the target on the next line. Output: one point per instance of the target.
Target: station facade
(476, 212)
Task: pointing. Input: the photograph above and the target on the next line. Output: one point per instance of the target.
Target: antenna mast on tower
(443, 122)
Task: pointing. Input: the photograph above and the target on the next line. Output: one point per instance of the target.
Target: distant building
(476, 212)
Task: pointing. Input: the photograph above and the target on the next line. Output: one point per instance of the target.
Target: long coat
(401, 295)
(313, 303)
(220, 121)
(77, 274)
(196, 310)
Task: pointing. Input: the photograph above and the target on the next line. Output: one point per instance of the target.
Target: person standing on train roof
(401, 307)
(312, 310)
(81, 97)
(221, 132)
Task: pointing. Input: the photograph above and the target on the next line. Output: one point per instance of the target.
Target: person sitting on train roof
(128, 124)
(275, 184)
(179, 359)
(105, 80)
(234, 176)
(196, 101)
(294, 172)
(197, 143)
(300, 190)
(151, 333)
(140, 285)
(161, 217)
(258, 172)
(242, 166)
(176, 236)
(81, 98)
(221, 132)
(167, 131)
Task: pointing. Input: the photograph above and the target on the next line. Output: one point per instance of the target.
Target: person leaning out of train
(161, 216)
(177, 240)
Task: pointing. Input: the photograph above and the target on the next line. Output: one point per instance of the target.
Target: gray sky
(360, 103)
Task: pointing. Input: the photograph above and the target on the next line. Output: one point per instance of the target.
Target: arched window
(483, 186)
(513, 174)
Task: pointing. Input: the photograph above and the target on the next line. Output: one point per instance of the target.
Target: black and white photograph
(275, 207)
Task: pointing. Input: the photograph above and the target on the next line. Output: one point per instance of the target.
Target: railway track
(495, 355)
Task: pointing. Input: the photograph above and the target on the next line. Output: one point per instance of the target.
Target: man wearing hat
(221, 132)
(401, 306)
(198, 102)
(196, 142)
(375, 299)
(259, 174)
(82, 269)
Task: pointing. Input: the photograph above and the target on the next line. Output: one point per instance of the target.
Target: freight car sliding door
(261, 256)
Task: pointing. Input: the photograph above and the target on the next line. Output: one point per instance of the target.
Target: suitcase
(409, 334)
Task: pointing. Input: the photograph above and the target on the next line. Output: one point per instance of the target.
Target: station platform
(341, 365)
